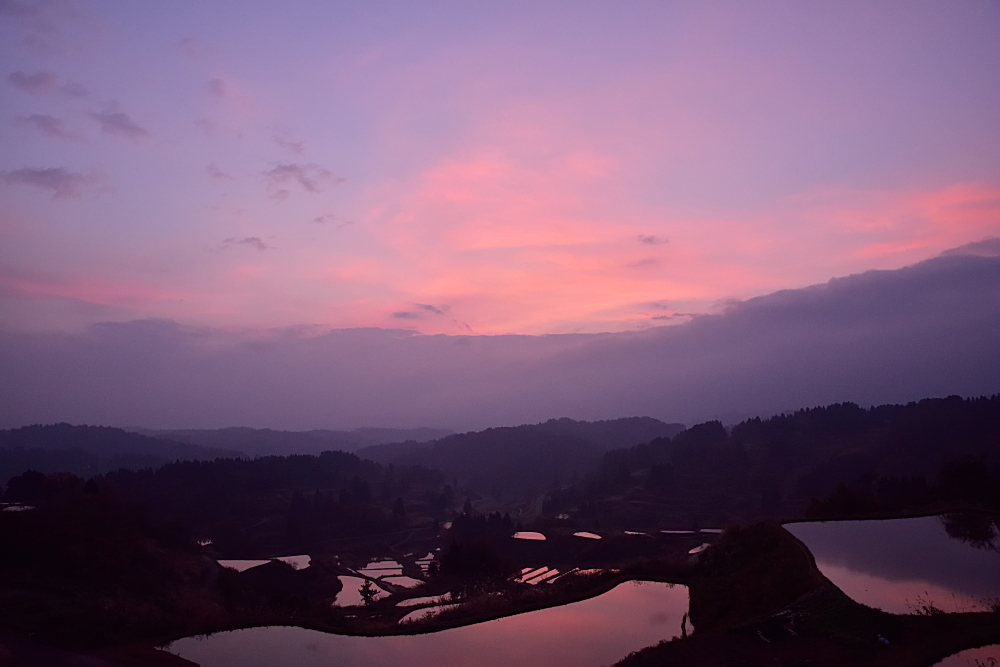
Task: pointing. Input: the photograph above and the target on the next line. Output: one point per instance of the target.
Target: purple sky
(224, 177)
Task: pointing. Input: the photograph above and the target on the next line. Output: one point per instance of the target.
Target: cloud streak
(49, 126)
(254, 242)
(294, 147)
(331, 219)
(217, 174)
(60, 182)
(44, 82)
(120, 124)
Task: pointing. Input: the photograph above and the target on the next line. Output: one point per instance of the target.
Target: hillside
(523, 459)
(895, 458)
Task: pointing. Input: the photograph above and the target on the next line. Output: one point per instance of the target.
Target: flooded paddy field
(593, 632)
(906, 566)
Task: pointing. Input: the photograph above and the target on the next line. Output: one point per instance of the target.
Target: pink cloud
(518, 244)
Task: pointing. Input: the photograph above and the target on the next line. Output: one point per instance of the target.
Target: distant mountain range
(90, 450)
(267, 442)
(520, 458)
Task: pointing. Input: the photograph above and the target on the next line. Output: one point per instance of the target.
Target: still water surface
(899, 565)
(985, 656)
(590, 633)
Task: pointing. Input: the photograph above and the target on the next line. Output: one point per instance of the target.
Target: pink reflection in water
(591, 633)
(897, 597)
(986, 656)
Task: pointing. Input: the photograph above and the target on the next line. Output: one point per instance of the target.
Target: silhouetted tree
(368, 592)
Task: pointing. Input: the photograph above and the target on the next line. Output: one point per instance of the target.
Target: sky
(480, 168)
(453, 214)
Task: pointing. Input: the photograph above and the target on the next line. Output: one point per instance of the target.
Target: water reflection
(381, 568)
(350, 594)
(899, 565)
(591, 633)
(528, 535)
(986, 656)
(242, 564)
(976, 529)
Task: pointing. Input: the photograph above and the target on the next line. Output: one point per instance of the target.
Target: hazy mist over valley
(932, 329)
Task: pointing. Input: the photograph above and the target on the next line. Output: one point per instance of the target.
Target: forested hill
(890, 457)
(527, 458)
(255, 506)
(89, 450)
(845, 443)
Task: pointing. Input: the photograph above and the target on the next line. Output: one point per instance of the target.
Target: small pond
(590, 633)
(902, 565)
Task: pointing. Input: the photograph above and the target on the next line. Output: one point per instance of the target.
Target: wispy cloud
(39, 22)
(650, 239)
(252, 241)
(421, 309)
(49, 126)
(120, 124)
(217, 87)
(193, 48)
(295, 147)
(312, 177)
(675, 316)
(62, 183)
(45, 83)
(216, 173)
(332, 219)
(39, 82)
